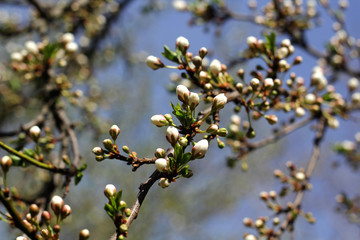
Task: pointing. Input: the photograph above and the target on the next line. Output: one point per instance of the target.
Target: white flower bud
(110, 190)
(183, 141)
(251, 41)
(161, 164)
(67, 38)
(172, 135)
(259, 223)
(183, 93)
(65, 211)
(31, 47)
(283, 65)
(200, 148)
(16, 57)
(219, 101)
(164, 182)
(84, 234)
(6, 163)
(250, 237)
(254, 83)
(299, 112)
(182, 43)
(21, 238)
(179, 5)
(348, 145)
(353, 83)
(160, 153)
(268, 82)
(154, 62)
(203, 52)
(71, 47)
(300, 176)
(333, 122)
(159, 120)
(285, 43)
(193, 100)
(215, 67)
(212, 129)
(310, 98)
(235, 119)
(56, 204)
(97, 151)
(282, 52)
(114, 132)
(355, 98)
(34, 133)
(271, 119)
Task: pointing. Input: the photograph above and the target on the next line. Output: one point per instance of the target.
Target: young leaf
(109, 209)
(271, 42)
(171, 55)
(78, 177)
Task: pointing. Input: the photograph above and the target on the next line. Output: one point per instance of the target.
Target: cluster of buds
(110, 147)
(117, 209)
(350, 150)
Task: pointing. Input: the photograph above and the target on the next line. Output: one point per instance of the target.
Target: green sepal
(271, 42)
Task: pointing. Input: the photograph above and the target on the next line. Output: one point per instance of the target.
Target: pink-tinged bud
(123, 228)
(212, 129)
(6, 163)
(251, 42)
(172, 135)
(34, 210)
(247, 222)
(45, 233)
(215, 67)
(34, 133)
(268, 83)
(200, 148)
(97, 151)
(127, 212)
(222, 132)
(46, 217)
(21, 238)
(159, 120)
(182, 44)
(161, 164)
(160, 153)
(110, 190)
(264, 196)
(56, 204)
(183, 93)
(219, 101)
(84, 234)
(193, 100)
(154, 62)
(271, 119)
(65, 211)
(183, 141)
(298, 60)
(203, 52)
(114, 132)
(108, 144)
(164, 182)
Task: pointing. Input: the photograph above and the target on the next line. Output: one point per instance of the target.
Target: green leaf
(50, 50)
(271, 42)
(179, 113)
(178, 152)
(16, 161)
(82, 168)
(29, 152)
(78, 178)
(171, 55)
(109, 209)
(186, 172)
(118, 198)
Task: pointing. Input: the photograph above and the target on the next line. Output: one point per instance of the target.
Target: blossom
(159, 120)
(200, 148)
(172, 135)
(183, 93)
(154, 62)
(161, 164)
(219, 101)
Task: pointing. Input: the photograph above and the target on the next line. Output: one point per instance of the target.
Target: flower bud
(67, 38)
(16, 57)
(247, 222)
(183, 141)
(179, 5)
(97, 151)
(154, 62)
(219, 101)
(183, 93)
(251, 42)
(46, 217)
(235, 119)
(282, 52)
(208, 87)
(212, 129)
(221, 144)
(6, 163)
(239, 87)
(333, 122)
(164, 182)
(299, 112)
(122, 204)
(215, 67)
(108, 144)
(259, 223)
(268, 83)
(271, 119)
(126, 149)
(71, 47)
(250, 237)
(182, 44)
(203, 52)
(34, 133)
(172, 135)
(355, 98)
(110, 191)
(298, 60)
(34, 210)
(204, 76)
(310, 98)
(114, 132)
(160, 153)
(31, 47)
(197, 61)
(159, 120)
(353, 83)
(84, 234)
(193, 100)
(254, 83)
(285, 43)
(300, 176)
(56, 204)
(65, 211)
(222, 132)
(161, 164)
(99, 158)
(21, 238)
(127, 212)
(199, 149)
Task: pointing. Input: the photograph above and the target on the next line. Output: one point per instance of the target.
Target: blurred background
(120, 89)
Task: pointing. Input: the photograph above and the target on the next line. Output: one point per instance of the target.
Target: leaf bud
(126, 149)
(154, 62)
(127, 212)
(109, 191)
(200, 148)
(161, 164)
(114, 132)
(222, 132)
(34, 133)
(172, 135)
(219, 101)
(182, 44)
(183, 141)
(84, 234)
(183, 93)
(212, 129)
(164, 182)
(6, 163)
(160, 153)
(159, 120)
(56, 204)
